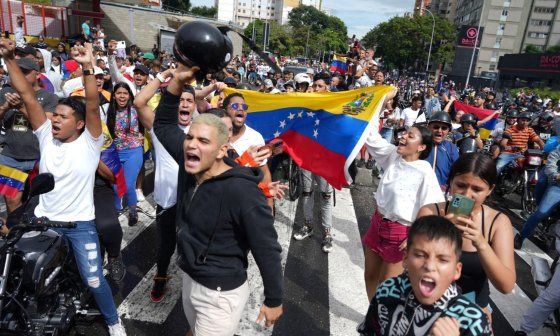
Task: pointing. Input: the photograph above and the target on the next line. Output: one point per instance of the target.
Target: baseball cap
(142, 68)
(71, 66)
(229, 80)
(28, 64)
(268, 83)
(27, 50)
(98, 71)
(149, 56)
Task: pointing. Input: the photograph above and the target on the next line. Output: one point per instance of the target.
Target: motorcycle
(41, 292)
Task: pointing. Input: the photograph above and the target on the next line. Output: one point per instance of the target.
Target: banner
(322, 132)
(485, 129)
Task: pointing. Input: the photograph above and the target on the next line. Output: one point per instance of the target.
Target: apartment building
(243, 12)
(444, 8)
(509, 26)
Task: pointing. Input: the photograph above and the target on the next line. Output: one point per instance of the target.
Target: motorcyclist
(303, 81)
(549, 201)
(467, 130)
(543, 125)
(516, 140)
(496, 135)
(444, 152)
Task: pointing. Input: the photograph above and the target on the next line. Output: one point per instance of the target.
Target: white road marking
(348, 301)
(138, 306)
(131, 232)
(285, 216)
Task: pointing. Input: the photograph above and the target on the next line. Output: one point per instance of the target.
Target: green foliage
(182, 5)
(554, 49)
(205, 11)
(41, 2)
(544, 92)
(404, 41)
(531, 49)
(325, 32)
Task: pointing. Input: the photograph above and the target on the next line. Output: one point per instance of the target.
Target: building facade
(444, 8)
(242, 12)
(509, 26)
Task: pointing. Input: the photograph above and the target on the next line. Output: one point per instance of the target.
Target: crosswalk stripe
(285, 216)
(138, 306)
(131, 232)
(347, 291)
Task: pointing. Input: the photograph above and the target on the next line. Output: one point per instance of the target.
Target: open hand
(7, 48)
(277, 190)
(185, 74)
(259, 154)
(271, 315)
(14, 100)
(112, 47)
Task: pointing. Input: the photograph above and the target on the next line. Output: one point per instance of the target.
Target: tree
(205, 11)
(404, 41)
(532, 49)
(308, 16)
(181, 5)
(554, 49)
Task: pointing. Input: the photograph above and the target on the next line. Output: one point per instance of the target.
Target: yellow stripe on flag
(339, 58)
(13, 173)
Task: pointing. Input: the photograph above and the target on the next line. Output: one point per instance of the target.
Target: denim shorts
(24, 165)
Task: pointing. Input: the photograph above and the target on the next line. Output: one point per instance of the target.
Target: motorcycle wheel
(294, 182)
(528, 202)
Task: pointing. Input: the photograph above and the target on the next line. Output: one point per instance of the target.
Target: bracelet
(160, 78)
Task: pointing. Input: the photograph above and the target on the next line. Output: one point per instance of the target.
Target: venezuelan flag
(12, 181)
(339, 65)
(322, 132)
(110, 158)
(485, 129)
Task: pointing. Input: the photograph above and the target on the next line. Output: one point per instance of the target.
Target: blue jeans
(132, 160)
(504, 159)
(387, 134)
(550, 200)
(85, 244)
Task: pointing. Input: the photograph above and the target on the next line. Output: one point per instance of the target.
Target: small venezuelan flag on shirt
(322, 132)
(12, 181)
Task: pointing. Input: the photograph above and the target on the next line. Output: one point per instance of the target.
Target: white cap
(97, 71)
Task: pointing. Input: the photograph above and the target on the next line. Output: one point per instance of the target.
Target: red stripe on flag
(310, 155)
(478, 112)
(120, 183)
(8, 191)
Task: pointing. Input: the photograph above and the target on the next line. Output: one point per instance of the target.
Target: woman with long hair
(128, 135)
(407, 184)
(487, 235)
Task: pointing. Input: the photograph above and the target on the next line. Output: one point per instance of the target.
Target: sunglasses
(238, 106)
(440, 127)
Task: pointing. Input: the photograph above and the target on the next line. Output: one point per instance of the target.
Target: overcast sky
(359, 15)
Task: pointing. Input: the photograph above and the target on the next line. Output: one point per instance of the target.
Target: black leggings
(107, 220)
(166, 238)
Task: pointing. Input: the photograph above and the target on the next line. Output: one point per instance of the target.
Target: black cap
(28, 64)
(28, 50)
(142, 68)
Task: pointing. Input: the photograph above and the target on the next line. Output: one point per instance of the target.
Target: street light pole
(307, 43)
(475, 44)
(431, 42)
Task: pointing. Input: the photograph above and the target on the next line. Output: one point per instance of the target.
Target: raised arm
(35, 113)
(489, 117)
(145, 112)
(205, 91)
(116, 75)
(165, 123)
(449, 103)
(84, 56)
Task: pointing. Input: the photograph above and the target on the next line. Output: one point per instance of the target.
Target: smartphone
(461, 205)
(6, 34)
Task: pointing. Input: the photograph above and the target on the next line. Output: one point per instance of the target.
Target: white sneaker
(117, 329)
(140, 195)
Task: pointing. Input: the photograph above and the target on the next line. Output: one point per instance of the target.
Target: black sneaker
(517, 242)
(360, 163)
(132, 217)
(369, 164)
(116, 268)
(158, 290)
(303, 232)
(327, 241)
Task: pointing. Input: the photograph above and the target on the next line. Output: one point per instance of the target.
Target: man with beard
(243, 135)
(444, 153)
(165, 179)
(221, 216)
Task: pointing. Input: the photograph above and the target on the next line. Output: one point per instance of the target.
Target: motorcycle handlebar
(53, 224)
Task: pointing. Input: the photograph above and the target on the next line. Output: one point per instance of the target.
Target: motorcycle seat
(534, 152)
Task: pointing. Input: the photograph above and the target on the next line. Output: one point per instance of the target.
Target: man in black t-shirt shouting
(21, 148)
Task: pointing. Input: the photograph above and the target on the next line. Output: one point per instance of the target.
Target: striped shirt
(520, 138)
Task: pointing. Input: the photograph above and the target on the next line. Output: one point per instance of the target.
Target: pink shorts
(384, 238)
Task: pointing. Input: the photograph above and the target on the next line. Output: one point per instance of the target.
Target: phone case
(461, 205)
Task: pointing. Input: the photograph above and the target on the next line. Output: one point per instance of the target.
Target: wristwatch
(88, 72)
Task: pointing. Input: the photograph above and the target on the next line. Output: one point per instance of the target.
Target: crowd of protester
(63, 107)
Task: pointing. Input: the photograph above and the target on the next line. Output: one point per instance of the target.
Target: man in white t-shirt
(70, 145)
(243, 135)
(165, 179)
(413, 114)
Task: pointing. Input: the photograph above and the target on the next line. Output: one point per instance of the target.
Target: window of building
(507, 3)
(243, 11)
(540, 23)
(498, 42)
(543, 10)
(505, 12)
(492, 66)
(538, 35)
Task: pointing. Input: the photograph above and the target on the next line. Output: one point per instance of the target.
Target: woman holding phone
(487, 235)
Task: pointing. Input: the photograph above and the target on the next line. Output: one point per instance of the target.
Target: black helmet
(525, 115)
(244, 86)
(468, 118)
(442, 117)
(513, 113)
(199, 43)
